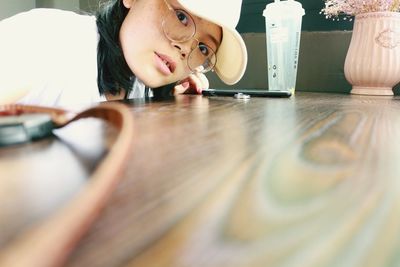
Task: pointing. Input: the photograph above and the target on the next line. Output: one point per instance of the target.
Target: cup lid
(288, 8)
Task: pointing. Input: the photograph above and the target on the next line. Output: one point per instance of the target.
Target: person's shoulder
(48, 17)
(36, 13)
(51, 13)
(59, 14)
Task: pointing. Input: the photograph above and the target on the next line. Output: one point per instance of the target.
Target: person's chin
(153, 79)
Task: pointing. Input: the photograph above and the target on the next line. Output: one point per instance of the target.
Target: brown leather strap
(50, 241)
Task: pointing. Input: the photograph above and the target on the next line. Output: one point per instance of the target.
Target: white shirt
(53, 54)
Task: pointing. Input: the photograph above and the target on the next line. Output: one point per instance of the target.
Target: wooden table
(313, 180)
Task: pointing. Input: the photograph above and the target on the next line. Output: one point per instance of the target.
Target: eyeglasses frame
(170, 8)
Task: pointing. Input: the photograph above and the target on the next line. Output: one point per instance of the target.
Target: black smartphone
(250, 92)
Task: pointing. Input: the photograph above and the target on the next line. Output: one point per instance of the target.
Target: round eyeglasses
(178, 26)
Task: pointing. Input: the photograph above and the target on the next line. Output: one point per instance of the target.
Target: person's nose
(182, 51)
(185, 47)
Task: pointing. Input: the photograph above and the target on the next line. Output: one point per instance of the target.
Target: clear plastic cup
(283, 30)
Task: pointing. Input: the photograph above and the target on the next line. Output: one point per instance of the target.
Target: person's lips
(165, 64)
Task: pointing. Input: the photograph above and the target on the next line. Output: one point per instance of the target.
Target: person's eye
(204, 49)
(182, 17)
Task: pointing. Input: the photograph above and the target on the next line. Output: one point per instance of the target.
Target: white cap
(232, 53)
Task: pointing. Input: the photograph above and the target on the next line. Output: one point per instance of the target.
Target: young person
(130, 49)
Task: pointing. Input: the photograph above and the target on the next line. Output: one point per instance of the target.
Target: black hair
(113, 73)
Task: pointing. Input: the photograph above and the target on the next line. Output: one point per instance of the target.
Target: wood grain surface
(313, 180)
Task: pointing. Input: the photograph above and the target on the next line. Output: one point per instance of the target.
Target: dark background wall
(252, 20)
(323, 49)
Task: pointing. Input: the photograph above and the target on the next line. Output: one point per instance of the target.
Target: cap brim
(231, 57)
(232, 52)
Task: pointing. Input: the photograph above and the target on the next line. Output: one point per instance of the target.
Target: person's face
(151, 56)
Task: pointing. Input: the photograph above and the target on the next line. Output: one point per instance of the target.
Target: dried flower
(349, 8)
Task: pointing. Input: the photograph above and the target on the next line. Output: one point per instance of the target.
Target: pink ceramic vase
(372, 63)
